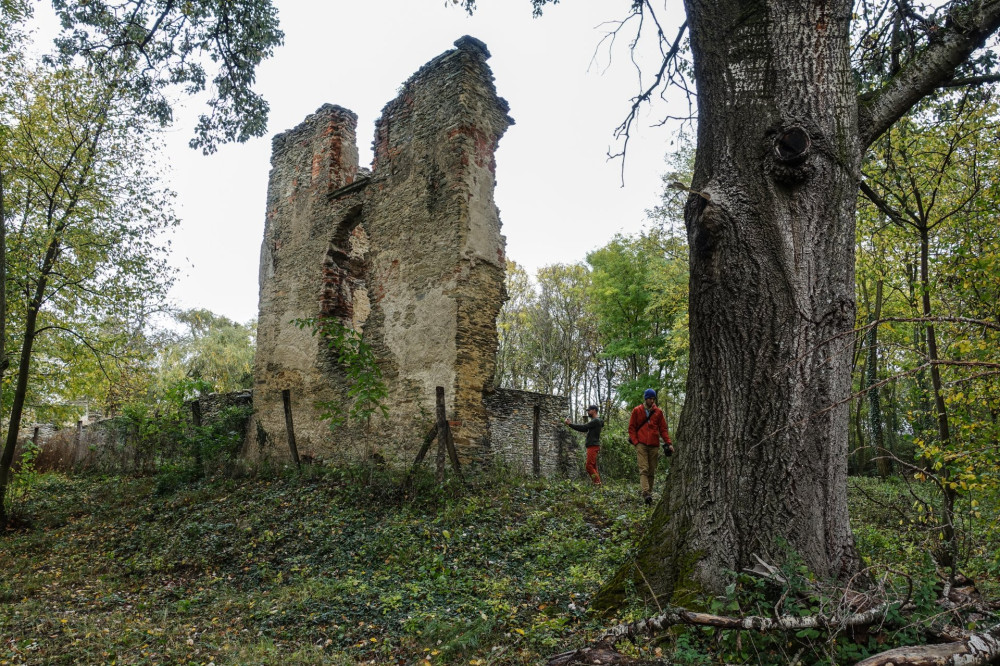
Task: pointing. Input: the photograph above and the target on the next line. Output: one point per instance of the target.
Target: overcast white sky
(559, 196)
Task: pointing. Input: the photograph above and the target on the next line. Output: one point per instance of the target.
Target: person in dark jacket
(645, 428)
(593, 442)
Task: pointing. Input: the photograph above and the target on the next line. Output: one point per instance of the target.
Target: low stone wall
(98, 445)
(111, 445)
(213, 403)
(528, 435)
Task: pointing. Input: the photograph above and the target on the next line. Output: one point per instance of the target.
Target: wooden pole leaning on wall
(445, 440)
(449, 439)
(536, 458)
(442, 432)
(453, 454)
(286, 401)
(424, 448)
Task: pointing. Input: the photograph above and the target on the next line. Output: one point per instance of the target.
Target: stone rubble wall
(409, 254)
(309, 163)
(512, 419)
(109, 445)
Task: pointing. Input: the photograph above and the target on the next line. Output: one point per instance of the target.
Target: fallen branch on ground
(603, 650)
(655, 625)
(977, 650)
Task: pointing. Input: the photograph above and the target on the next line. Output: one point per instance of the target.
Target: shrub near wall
(144, 440)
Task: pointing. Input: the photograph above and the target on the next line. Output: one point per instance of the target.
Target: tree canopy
(148, 49)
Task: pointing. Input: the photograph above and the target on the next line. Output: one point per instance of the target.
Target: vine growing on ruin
(366, 390)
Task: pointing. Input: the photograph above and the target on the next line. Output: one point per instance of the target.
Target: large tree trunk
(761, 463)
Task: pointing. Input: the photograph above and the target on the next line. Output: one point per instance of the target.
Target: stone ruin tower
(409, 254)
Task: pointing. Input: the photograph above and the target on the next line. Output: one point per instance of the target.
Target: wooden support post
(431, 436)
(536, 459)
(453, 453)
(442, 432)
(286, 400)
(78, 442)
(424, 448)
(199, 464)
(34, 436)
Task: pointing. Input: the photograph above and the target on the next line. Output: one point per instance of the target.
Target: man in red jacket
(645, 428)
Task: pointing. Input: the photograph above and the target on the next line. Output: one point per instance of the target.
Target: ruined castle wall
(411, 256)
(440, 265)
(308, 163)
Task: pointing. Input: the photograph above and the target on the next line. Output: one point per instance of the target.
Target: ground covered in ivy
(332, 568)
(347, 567)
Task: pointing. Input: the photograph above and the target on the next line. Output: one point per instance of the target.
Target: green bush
(23, 479)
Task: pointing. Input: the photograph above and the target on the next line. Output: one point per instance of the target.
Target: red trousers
(592, 452)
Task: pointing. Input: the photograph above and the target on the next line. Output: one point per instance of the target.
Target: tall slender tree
(89, 209)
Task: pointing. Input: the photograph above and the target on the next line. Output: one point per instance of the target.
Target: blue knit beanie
(650, 393)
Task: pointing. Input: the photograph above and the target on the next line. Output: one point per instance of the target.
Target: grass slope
(342, 567)
(333, 569)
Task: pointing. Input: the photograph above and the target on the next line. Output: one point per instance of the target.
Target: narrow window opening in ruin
(344, 291)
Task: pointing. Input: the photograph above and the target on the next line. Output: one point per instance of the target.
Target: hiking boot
(648, 499)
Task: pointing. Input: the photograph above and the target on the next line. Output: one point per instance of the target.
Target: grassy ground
(335, 568)
(329, 569)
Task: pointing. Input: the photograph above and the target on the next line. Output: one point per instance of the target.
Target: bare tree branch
(668, 73)
(971, 81)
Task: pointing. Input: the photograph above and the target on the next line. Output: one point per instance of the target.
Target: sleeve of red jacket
(633, 436)
(662, 425)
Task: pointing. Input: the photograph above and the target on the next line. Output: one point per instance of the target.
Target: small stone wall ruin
(528, 433)
(110, 445)
(410, 255)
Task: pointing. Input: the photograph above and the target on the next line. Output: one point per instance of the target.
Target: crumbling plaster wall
(410, 255)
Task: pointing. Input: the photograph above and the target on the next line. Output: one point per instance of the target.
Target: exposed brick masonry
(409, 254)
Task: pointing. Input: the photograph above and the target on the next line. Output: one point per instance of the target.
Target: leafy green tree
(930, 184)
(558, 322)
(81, 186)
(639, 301)
(13, 14)
(214, 350)
(514, 362)
(145, 48)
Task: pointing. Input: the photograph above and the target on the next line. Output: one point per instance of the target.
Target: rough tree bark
(761, 465)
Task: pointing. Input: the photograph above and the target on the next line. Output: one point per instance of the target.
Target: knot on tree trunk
(790, 152)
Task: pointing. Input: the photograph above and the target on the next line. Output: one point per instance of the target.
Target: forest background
(83, 207)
